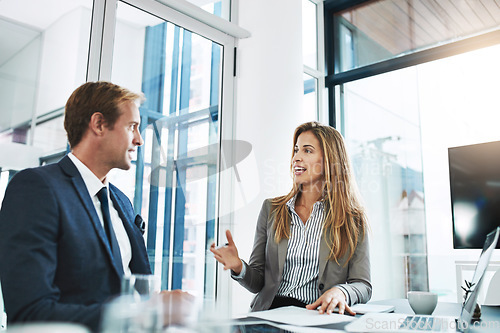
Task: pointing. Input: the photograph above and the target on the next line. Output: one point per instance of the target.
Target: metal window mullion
(168, 212)
(101, 40)
(322, 107)
(152, 86)
(225, 180)
(96, 29)
(312, 72)
(168, 229)
(210, 231)
(180, 201)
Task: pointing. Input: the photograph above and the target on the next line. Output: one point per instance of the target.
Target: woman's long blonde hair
(345, 219)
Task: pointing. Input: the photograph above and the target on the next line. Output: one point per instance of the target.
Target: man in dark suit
(67, 236)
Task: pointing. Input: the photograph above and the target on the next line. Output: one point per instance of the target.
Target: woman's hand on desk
(329, 301)
(228, 254)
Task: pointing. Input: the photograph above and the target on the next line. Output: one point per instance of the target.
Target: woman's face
(307, 162)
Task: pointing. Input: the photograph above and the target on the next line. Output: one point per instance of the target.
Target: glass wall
(43, 57)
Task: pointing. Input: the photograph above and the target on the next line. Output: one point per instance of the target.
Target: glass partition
(43, 57)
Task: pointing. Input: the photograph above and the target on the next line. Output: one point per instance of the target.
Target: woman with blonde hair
(310, 246)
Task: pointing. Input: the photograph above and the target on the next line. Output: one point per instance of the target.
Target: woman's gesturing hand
(329, 301)
(228, 254)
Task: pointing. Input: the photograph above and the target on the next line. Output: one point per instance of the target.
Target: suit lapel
(81, 189)
(282, 249)
(324, 251)
(139, 262)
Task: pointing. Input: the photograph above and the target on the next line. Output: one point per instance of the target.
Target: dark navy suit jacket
(55, 260)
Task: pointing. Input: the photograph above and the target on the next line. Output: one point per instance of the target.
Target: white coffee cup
(422, 302)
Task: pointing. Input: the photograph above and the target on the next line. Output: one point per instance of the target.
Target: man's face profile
(121, 140)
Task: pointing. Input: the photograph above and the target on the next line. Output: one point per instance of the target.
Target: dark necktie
(108, 227)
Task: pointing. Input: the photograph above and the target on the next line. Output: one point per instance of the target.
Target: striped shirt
(301, 270)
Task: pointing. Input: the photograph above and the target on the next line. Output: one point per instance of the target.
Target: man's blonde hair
(89, 98)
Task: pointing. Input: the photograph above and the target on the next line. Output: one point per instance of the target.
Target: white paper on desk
(293, 315)
(368, 308)
(306, 329)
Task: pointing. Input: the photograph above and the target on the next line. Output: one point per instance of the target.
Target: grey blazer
(265, 268)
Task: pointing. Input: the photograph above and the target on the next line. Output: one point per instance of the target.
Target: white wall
(269, 89)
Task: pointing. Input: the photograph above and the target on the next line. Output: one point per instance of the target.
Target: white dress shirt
(94, 185)
(301, 270)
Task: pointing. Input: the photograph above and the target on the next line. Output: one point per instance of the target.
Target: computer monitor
(475, 192)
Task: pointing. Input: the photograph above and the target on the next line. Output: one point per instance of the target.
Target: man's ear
(97, 123)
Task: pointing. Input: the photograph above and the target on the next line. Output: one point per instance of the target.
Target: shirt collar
(91, 181)
(291, 203)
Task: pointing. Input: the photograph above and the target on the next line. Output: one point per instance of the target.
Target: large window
(398, 107)
(381, 121)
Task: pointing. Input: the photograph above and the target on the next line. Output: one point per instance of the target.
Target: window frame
(224, 33)
(319, 72)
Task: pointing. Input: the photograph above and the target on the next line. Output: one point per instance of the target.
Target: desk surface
(490, 315)
(489, 323)
(442, 309)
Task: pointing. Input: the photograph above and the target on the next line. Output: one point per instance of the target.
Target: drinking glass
(140, 286)
(128, 314)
